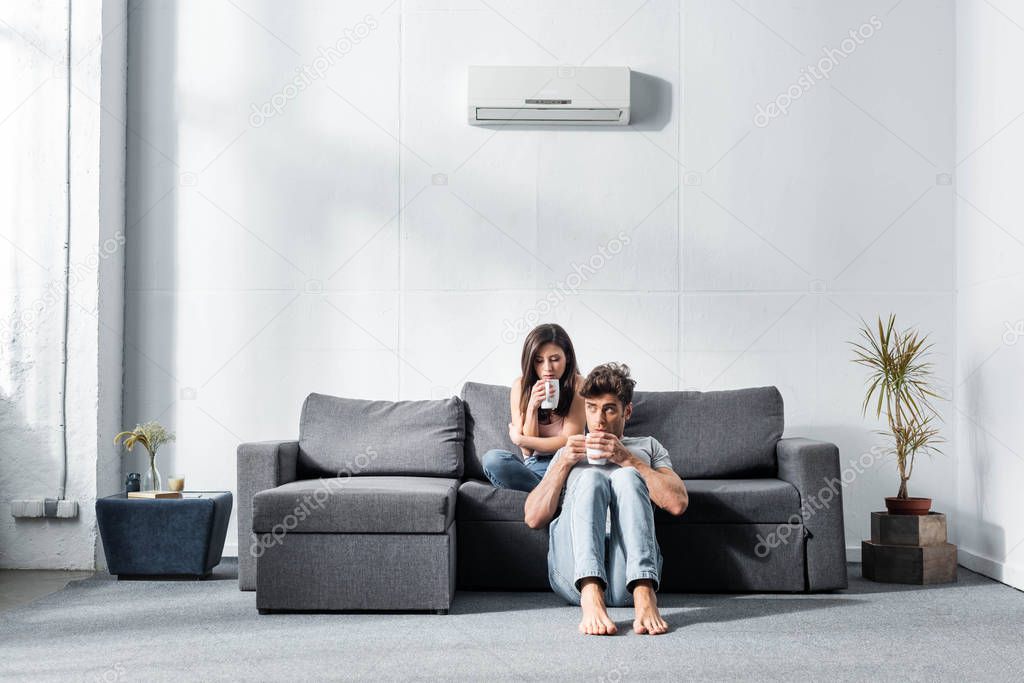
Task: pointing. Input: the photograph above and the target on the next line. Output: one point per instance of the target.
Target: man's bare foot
(596, 621)
(648, 619)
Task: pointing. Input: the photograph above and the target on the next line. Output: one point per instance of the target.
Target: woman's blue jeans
(506, 471)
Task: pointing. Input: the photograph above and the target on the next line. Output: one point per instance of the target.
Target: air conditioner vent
(549, 95)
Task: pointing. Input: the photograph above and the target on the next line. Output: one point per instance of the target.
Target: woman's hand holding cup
(539, 393)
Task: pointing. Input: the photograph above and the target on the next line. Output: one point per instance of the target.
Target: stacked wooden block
(908, 549)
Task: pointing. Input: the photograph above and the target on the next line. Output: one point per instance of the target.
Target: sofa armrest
(813, 468)
(262, 465)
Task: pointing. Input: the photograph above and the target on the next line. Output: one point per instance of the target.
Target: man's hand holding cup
(575, 449)
(605, 447)
(597, 450)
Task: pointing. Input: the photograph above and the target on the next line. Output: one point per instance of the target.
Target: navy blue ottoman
(164, 537)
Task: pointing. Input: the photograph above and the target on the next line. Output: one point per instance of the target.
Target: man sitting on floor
(600, 473)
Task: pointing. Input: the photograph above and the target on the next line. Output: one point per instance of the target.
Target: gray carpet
(99, 629)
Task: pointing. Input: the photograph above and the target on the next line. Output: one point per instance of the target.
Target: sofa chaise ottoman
(358, 514)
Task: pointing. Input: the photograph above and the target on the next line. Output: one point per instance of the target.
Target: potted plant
(151, 436)
(900, 386)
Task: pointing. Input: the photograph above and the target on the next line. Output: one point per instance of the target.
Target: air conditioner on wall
(549, 95)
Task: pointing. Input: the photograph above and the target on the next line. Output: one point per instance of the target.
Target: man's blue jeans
(579, 548)
(506, 471)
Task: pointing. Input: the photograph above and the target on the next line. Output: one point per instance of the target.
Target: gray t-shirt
(646, 448)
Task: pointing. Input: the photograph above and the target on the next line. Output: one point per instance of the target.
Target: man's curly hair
(609, 378)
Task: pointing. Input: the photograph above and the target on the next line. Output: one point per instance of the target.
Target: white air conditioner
(549, 95)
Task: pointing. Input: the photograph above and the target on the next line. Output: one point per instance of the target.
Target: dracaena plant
(900, 386)
(151, 436)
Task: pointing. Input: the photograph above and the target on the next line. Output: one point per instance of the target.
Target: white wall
(33, 220)
(33, 118)
(365, 241)
(990, 284)
(806, 224)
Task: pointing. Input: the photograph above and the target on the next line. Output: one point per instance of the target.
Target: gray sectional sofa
(384, 505)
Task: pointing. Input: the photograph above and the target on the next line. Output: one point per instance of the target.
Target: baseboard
(853, 553)
(994, 569)
(230, 549)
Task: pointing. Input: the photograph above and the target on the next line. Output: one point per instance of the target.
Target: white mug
(594, 456)
(551, 402)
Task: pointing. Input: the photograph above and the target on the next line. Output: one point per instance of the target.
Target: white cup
(594, 456)
(551, 402)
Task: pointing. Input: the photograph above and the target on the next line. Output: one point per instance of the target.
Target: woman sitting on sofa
(542, 420)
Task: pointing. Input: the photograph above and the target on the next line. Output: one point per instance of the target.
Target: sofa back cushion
(487, 418)
(713, 434)
(347, 436)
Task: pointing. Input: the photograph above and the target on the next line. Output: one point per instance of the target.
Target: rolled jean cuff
(644, 576)
(594, 573)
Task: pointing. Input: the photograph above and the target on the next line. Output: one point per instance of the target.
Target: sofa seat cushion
(481, 502)
(357, 505)
(744, 501)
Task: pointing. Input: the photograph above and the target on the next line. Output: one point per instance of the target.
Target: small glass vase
(151, 480)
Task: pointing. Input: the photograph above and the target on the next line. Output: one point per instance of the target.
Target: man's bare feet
(648, 619)
(596, 621)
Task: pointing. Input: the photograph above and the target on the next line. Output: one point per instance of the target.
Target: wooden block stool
(908, 549)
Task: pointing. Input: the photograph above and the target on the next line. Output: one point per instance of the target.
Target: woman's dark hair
(610, 378)
(538, 337)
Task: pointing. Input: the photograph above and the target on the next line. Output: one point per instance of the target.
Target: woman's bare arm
(530, 423)
(518, 419)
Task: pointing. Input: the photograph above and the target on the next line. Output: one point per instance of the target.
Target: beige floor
(20, 586)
